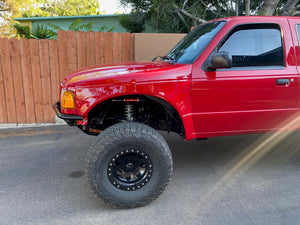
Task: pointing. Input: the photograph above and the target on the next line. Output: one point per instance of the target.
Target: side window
(298, 33)
(255, 45)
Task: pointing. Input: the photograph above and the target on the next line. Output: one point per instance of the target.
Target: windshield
(193, 44)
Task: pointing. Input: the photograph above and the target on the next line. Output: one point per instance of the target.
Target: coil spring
(129, 112)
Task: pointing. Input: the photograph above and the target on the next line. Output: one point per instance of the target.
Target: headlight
(67, 99)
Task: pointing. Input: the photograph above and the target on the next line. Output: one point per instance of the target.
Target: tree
(10, 9)
(181, 15)
(134, 23)
(269, 6)
(34, 8)
(69, 7)
(289, 8)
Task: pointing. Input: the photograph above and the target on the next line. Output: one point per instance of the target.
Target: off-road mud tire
(117, 139)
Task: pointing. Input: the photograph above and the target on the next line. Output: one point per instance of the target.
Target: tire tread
(118, 132)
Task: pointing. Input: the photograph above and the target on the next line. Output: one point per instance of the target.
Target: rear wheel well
(148, 110)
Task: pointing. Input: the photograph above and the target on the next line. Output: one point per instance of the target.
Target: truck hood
(137, 71)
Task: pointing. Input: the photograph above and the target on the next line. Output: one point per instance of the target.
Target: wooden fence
(31, 70)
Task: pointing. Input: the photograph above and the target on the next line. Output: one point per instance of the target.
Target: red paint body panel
(160, 79)
(215, 103)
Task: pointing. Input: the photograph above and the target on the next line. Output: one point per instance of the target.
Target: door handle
(282, 81)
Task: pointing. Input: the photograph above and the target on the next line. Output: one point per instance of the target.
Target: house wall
(98, 22)
(26, 23)
(65, 21)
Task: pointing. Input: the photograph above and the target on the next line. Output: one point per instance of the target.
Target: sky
(112, 6)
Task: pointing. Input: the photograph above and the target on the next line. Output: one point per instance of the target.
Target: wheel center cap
(129, 165)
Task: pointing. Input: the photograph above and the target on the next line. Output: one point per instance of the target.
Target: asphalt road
(249, 179)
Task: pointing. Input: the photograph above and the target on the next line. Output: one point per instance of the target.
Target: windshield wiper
(171, 59)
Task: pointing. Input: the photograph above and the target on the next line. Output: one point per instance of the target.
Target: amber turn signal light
(67, 100)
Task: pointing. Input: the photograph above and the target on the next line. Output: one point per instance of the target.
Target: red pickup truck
(229, 76)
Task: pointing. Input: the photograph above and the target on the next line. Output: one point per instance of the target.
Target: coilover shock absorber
(128, 107)
(129, 112)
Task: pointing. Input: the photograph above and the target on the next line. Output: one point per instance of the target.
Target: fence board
(72, 49)
(36, 80)
(3, 110)
(27, 81)
(81, 50)
(90, 48)
(18, 80)
(99, 56)
(54, 70)
(63, 54)
(117, 49)
(8, 81)
(126, 46)
(132, 47)
(46, 81)
(108, 46)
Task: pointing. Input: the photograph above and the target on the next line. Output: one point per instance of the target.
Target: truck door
(258, 93)
(295, 31)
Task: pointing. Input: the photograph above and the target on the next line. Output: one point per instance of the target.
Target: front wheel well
(149, 110)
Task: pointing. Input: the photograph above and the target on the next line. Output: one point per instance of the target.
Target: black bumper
(70, 119)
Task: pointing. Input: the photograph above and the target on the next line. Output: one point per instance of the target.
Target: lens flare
(249, 157)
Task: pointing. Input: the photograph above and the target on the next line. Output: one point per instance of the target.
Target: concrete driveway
(250, 179)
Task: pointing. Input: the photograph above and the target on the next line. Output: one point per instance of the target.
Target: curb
(58, 121)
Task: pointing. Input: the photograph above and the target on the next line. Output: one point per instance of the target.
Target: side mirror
(221, 60)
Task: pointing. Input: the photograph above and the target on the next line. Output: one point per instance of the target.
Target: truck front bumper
(70, 119)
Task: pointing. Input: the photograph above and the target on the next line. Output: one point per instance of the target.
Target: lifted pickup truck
(229, 76)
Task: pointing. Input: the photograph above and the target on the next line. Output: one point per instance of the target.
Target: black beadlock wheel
(128, 165)
(130, 169)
